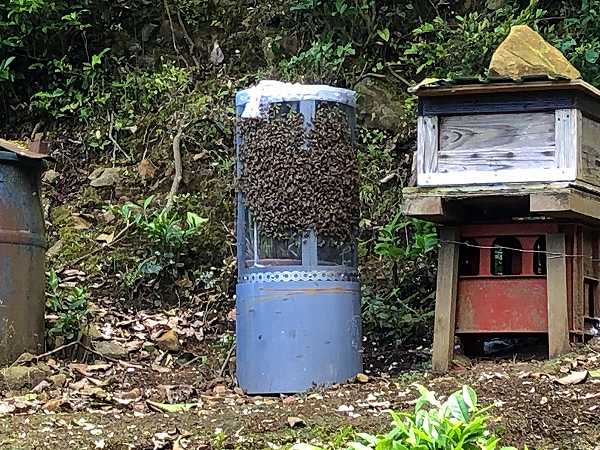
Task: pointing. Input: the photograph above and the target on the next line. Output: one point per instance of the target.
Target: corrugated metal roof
(24, 150)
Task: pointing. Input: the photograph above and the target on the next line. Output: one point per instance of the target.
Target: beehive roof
(21, 149)
(465, 86)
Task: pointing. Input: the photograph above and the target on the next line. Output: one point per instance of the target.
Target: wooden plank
(481, 133)
(500, 176)
(499, 160)
(567, 203)
(567, 131)
(445, 300)
(549, 202)
(577, 292)
(427, 144)
(485, 190)
(558, 326)
(423, 206)
(589, 157)
(494, 142)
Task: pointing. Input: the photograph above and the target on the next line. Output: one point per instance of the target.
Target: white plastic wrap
(265, 92)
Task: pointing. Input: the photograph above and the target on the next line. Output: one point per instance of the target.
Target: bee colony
(298, 296)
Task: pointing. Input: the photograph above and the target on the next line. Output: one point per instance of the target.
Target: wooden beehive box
(530, 140)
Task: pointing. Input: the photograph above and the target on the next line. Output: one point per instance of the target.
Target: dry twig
(51, 352)
(226, 362)
(116, 145)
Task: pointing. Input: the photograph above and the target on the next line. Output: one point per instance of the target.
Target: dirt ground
(117, 409)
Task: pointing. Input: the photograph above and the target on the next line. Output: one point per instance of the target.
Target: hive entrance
(516, 346)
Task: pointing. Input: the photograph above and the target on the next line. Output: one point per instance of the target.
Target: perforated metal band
(299, 275)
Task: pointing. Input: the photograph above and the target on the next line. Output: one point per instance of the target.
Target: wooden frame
(562, 281)
(501, 149)
(559, 200)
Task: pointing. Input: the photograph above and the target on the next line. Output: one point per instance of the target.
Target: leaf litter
(157, 399)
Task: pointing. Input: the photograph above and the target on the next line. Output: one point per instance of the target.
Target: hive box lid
(499, 95)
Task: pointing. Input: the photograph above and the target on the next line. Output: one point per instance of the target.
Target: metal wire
(545, 252)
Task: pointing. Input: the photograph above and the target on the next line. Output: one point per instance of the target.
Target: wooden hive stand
(511, 174)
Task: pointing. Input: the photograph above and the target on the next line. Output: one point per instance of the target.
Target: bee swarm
(294, 179)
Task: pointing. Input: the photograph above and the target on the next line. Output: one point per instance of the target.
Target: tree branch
(178, 165)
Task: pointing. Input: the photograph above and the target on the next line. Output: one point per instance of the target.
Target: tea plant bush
(456, 424)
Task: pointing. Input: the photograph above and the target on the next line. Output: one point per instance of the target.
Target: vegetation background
(116, 85)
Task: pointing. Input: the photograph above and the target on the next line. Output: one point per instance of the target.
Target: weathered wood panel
(494, 142)
(589, 157)
(445, 300)
(567, 132)
(558, 326)
(427, 144)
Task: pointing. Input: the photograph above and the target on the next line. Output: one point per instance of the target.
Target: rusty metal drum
(22, 253)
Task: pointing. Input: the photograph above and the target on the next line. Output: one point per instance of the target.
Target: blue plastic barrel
(298, 322)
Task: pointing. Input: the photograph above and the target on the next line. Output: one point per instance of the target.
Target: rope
(547, 253)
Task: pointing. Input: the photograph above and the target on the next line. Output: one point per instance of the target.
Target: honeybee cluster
(294, 180)
(334, 174)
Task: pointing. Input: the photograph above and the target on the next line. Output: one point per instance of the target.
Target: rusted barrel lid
(36, 149)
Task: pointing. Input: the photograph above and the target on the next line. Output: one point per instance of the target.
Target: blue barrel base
(296, 335)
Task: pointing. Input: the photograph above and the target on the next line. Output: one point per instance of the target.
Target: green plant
(77, 93)
(68, 310)
(321, 62)
(405, 242)
(391, 244)
(578, 36)
(456, 424)
(162, 236)
(394, 317)
(463, 46)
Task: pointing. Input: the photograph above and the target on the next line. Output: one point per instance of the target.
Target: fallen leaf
(41, 386)
(240, 391)
(126, 398)
(79, 223)
(180, 443)
(6, 408)
(362, 378)
(171, 408)
(565, 369)
(106, 237)
(146, 169)
(53, 405)
(573, 378)
(295, 422)
(231, 315)
(219, 389)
